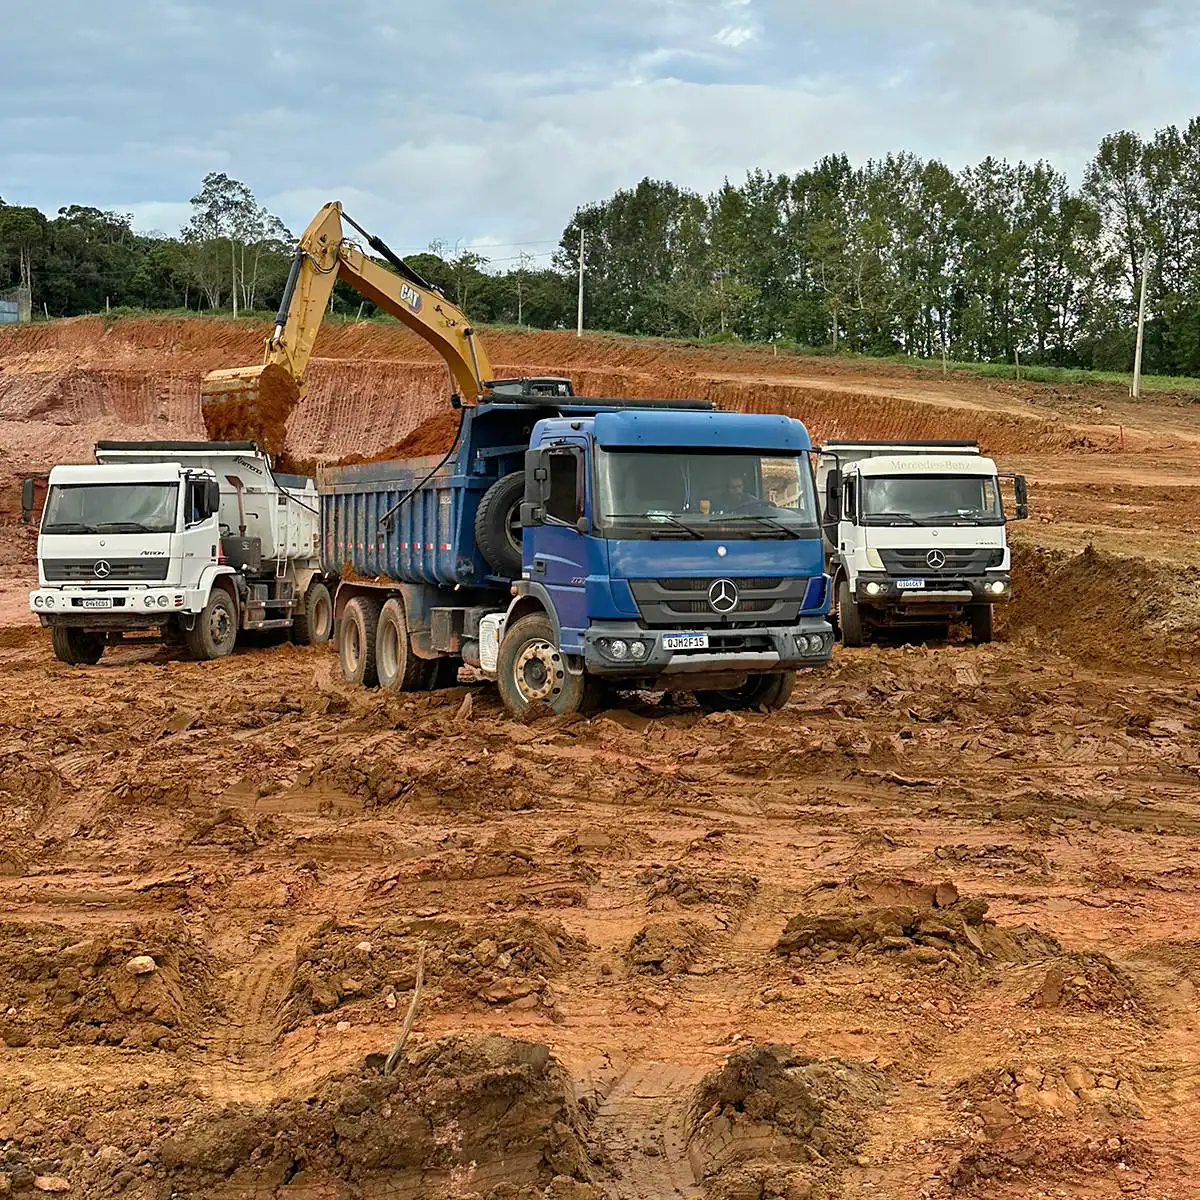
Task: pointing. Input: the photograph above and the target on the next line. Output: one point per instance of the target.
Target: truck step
(280, 623)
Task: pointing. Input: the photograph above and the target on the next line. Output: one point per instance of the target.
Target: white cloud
(734, 35)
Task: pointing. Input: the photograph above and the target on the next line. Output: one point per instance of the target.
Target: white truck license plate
(97, 602)
(685, 641)
(907, 585)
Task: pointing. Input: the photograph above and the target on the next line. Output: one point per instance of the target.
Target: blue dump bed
(429, 538)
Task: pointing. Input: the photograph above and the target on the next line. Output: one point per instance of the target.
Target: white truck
(915, 535)
(184, 541)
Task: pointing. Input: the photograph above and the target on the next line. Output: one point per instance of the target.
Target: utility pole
(579, 317)
(1136, 390)
(523, 261)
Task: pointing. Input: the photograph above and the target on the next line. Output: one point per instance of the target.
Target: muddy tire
(980, 618)
(356, 641)
(850, 620)
(76, 647)
(397, 665)
(770, 691)
(313, 625)
(498, 525)
(214, 632)
(531, 669)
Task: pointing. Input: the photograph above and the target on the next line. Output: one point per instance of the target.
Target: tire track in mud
(239, 1065)
(641, 1125)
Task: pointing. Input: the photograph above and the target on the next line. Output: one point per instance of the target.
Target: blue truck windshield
(706, 494)
(930, 500)
(111, 508)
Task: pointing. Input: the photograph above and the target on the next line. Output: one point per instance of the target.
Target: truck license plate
(97, 602)
(907, 585)
(685, 641)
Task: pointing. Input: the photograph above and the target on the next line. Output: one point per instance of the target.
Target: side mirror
(537, 475)
(833, 495)
(1022, 493)
(531, 514)
(211, 497)
(26, 501)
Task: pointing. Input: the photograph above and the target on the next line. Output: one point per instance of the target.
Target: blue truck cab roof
(633, 429)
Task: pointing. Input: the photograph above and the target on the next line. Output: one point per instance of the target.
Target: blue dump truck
(568, 547)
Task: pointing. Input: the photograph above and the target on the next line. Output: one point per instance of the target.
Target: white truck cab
(915, 535)
(190, 541)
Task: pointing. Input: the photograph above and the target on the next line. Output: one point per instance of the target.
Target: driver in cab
(735, 495)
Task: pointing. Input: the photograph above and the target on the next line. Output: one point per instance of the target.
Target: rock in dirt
(141, 964)
(51, 1183)
(665, 947)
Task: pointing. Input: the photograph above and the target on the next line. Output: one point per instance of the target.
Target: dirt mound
(143, 987)
(485, 964)
(665, 947)
(918, 926)
(771, 1123)
(670, 885)
(434, 436)
(463, 1116)
(1099, 606)
(1087, 982)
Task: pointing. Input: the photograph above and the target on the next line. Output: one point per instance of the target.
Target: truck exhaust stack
(249, 404)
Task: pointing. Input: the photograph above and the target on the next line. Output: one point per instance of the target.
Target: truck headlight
(618, 648)
(49, 601)
(637, 650)
(998, 587)
(163, 601)
(148, 601)
(37, 602)
(873, 560)
(873, 588)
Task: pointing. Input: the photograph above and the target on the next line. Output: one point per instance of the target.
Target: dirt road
(932, 931)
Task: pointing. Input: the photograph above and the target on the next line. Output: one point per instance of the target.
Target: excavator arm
(255, 402)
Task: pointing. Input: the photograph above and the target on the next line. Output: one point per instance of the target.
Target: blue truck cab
(568, 546)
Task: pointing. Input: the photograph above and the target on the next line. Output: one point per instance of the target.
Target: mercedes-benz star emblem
(722, 596)
(102, 570)
(936, 559)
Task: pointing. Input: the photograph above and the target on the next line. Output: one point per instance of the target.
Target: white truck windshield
(111, 508)
(658, 493)
(930, 500)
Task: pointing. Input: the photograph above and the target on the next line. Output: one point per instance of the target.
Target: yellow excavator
(255, 402)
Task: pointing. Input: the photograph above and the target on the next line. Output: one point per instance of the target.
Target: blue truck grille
(111, 570)
(670, 603)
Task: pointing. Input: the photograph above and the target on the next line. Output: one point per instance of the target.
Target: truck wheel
(74, 646)
(498, 525)
(771, 691)
(397, 666)
(980, 617)
(356, 641)
(849, 616)
(313, 623)
(531, 669)
(214, 631)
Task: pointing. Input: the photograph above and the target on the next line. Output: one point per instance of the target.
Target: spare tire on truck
(498, 525)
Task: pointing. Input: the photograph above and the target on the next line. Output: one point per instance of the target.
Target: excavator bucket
(249, 404)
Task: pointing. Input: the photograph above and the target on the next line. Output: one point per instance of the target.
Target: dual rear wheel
(375, 649)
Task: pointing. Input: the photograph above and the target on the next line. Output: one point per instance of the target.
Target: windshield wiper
(124, 527)
(774, 522)
(891, 518)
(69, 527)
(686, 529)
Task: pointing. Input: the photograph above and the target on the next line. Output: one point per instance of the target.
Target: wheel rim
(387, 650)
(353, 646)
(322, 619)
(513, 527)
(219, 625)
(539, 672)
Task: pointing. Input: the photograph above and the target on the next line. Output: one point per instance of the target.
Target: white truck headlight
(618, 648)
(163, 601)
(148, 601)
(637, 649)
(49, 601)
(998, 587)
(873, 588)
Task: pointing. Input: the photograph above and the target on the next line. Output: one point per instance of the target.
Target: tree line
(993, 262)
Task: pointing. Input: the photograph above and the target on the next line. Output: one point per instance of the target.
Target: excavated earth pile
(931, 931)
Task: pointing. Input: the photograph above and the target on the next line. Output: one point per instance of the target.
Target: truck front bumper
(734, 650)
(888, 590)
(96, 608)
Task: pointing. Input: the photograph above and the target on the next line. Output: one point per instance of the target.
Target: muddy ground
(932, 931)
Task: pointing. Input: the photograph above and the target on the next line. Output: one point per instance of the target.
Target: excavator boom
(255, 402)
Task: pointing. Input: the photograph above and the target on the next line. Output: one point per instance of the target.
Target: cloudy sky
(487, 122)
